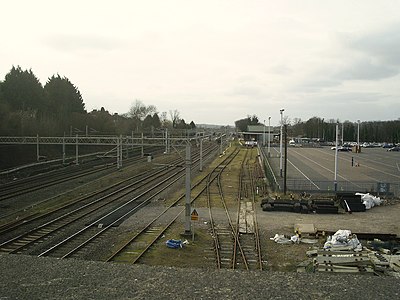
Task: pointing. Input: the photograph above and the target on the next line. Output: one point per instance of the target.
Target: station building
(259, 134)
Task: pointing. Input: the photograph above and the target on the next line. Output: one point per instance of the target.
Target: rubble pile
(343, 252)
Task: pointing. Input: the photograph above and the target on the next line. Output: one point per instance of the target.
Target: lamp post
(358, 133)
(281, 142)
(269, 136)
(336, 157)
(264, 135)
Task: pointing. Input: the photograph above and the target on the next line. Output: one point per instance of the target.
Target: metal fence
(269, 173)
(387, 189)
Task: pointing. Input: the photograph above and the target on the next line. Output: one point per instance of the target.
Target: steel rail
(29, 219)
(34, 183)
(60, 222)
(255, 223)
(143, 230)
(53, 248)
(103, 230)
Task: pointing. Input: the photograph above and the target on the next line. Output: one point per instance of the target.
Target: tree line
(57, 108)
(319, 128)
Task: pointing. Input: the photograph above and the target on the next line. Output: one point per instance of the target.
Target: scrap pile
(343, 252)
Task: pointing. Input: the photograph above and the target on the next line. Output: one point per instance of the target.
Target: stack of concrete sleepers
(343, 261)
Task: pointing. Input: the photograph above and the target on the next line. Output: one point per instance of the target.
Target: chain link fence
(387, 189)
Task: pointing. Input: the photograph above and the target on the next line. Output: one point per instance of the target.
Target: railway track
(233, 248)
(48, 179)
(95, 206)
(27, 241)
(246, 223)
(82, 201)
(137, 246)
(33, 184)
(235, 245)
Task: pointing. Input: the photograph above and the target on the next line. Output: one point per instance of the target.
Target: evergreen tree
(64, 100)
(22, 91)
(148, 122)
(156, 121)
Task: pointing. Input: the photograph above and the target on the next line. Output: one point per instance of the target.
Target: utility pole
(37, 148)
(284, 178)
(342, 134)
(269, 136)
(280, 148)
(220, 146)
(188, 163)
(77, 151)
(358, 136)
(264, 135)
(336, 155)
(201, 155)
(63, 149)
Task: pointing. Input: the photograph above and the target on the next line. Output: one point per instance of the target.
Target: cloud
(80, 42)
(367, 70)
(249, 91)
(383, 45)
(371, 56)
(280, 69)
(375, 56)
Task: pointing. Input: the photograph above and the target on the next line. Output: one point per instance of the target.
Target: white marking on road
(372, 168)
(304, 175)
(344, 178)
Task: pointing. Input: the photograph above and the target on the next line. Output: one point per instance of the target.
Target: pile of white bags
(343, 238)
(369, 200)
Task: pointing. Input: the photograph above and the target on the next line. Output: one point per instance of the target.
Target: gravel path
(26, 277)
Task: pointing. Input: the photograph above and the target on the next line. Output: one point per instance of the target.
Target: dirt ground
(380, 219)
(277, 257)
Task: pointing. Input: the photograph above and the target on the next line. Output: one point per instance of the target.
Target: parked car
(394, 149)
(386, 145)
(344, 148)
(341, 148)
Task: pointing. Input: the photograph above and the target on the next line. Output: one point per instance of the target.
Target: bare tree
(175, 117)
(285, 120)
(140, 111)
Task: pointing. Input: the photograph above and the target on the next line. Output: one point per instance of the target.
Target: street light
(269, 136)
(358, 132)
(280, 148)
(264, 135)
(336, 156)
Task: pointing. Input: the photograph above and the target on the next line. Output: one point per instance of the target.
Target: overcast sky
(215, 61)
